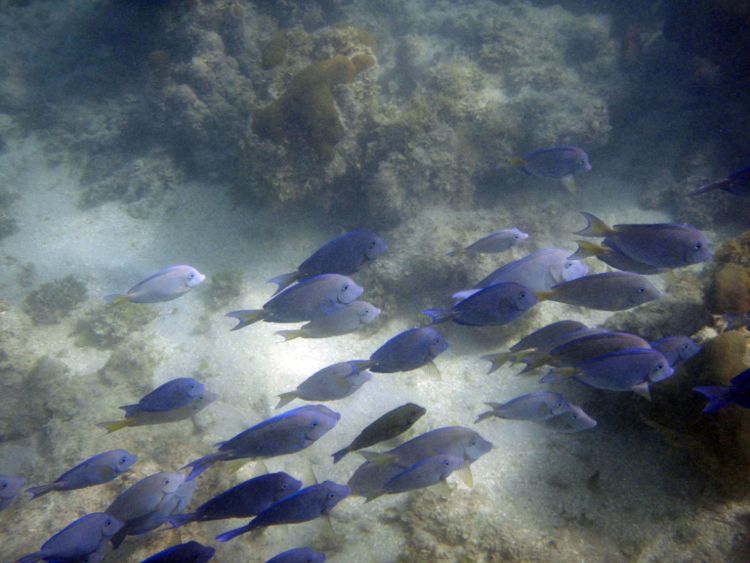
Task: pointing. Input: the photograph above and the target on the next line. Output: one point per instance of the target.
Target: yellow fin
(464, 473)
(544, 295)
(115, 425)
(516, 162)
(432, 369)
(569, 183)
(235, 465)
(587, 248)
(289, 334)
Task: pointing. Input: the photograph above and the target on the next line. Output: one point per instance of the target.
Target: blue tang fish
(344, 255)
(408, 350)
(10, 486)
(348, 319)
(737, 393)
(309, 300)
(98, 469)
(78, 539)
(531, 406)
(496, 241)
(561, 163)
(538, 271)
(737, 183)
(304, 505)
(285, 433)
(190, 552)
(495, 305)
(165, 285)
(661, 245)
(247, 499)
(298, 555)
(677, 349)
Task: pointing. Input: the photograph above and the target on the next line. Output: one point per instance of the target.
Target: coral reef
(52, 301)
(729, 287)
(109, 324)
(223, 287)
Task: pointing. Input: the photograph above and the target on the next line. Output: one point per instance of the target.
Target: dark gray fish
(344, 255)
(588, 346)
(611, 291)
(98, 469)
(496, 241)
(330, 383)
(308, 300)
(247, 499)
(543, 337)
(737, 183)
(285, 433)
(348, 319)
(408, 350)
(165, 285)
(78, 539)
(391, 424)
(538, 271)
(304, 505)
(608, 253)
(420, 475)
(495, 305)
(298, 555)
(190, 552)
(531, 406)
(10, 486)
(561, 163)
(677, 349)
(661, 245)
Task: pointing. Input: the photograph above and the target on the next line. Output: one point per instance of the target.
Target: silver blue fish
(737, 183)
(625, 370)
(497, 241)
(330, 383)
(165, 285)
(562, 163)
(98, 469)
(304, 505)
(611, 291)
(495, 305)
(587, 346)
(145, 497)
(531, 406)
(538, 271)
(308, 300)
(348, 319)
(660, 245)
(285, 433)
(422, 474)
(344, 255)
(547, 336)
(677, 349)
(190, 552)
(298, 555)
(571, 421)
(247, 499)
(10, 486)
(172, 401)
(408, 350)
(78, 539)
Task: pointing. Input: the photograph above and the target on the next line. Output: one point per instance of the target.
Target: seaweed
(108, 325)
(53, 301)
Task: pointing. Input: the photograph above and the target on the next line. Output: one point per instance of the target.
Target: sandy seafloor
(620, 492)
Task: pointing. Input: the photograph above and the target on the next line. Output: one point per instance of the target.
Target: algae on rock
(53, 301)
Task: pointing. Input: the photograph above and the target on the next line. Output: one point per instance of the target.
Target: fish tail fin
(245, 317)
(595, 227)
(202, 463)
(513, 162)
(485, 415)
(454, 252)
(286, 398)
(358, 366)
(339, 455)
(373, 496)
(499, 359)
(569, 183)
(377, 457)
(119, 537)
(115, 425)
(545, 295)
(438, 316)
(284, 280)
(115, 298)
(36, 492)
(587, 249)
(534, 361)
(557, 374)
(231, 534)
(718, 397)
(178, 520)
(289, 334)
(709, 188)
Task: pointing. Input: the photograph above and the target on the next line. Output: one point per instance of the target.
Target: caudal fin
(339, 455)
(36, 492)
(245, 317)
(115, 425)
(289, 334)
(119, 537)
(501, 358)
(484, 416)
(718, 397)
(231, 534)
(377, 457)
(587, 249)
(284, 280)
(201, 464)
(286, 398)
(178, 520)
(438, 316)
(595, 227)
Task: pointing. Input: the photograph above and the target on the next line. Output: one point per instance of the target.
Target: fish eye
(346, 286)
(522, 295)
(581, 162)
(473, 443)
(166, 481)
(568, 265)
(516, 236)
(108, 522)
(123, 459)
(330, 496)
(698, 245)
(641, 290)
(314, 424)
(4, 486)
(659, 366)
